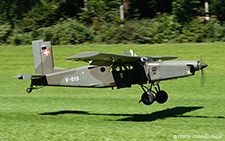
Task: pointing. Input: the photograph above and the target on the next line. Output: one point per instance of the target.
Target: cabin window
(102, 69)
(43, 47)
(122, 68)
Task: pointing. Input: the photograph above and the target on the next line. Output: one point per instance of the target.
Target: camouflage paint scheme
(108, 70)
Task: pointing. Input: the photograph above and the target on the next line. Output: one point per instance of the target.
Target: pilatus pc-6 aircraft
(109, 70)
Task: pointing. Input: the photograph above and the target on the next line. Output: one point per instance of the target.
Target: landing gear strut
(29, 89)
(148, 98)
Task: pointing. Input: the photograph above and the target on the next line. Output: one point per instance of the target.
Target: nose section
(202, 65)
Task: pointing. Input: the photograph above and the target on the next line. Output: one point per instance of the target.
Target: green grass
(59, 113)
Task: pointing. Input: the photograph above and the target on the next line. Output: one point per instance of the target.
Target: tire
(161, 97)
(29, 90)
(147, 98)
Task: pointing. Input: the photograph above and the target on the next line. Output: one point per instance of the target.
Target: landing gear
(29, 90)
(148, 98)
(161, 97)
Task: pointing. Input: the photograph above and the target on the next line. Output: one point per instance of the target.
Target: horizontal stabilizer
(27, 76)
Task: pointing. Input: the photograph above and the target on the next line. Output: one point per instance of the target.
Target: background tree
(217, 7)
(185, 10)
(100, 11)
(48, 12)
(142, 9)
(12, 11)
(164, 6)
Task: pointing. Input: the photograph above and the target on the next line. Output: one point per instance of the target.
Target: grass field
(56, 113)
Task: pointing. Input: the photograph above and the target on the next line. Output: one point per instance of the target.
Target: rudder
(43, 57)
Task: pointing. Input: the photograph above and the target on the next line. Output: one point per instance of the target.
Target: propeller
(201, 67)
(202, 77)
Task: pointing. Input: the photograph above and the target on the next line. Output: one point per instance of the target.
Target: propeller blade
(202, 78)
(201, 67)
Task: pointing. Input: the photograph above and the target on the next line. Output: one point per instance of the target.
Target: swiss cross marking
(46, 52)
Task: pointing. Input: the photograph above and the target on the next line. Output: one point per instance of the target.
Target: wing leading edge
(99, 58)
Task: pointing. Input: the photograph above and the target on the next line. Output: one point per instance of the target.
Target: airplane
(109, 70)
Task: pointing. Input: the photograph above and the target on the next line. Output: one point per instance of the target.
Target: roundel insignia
(46, 52)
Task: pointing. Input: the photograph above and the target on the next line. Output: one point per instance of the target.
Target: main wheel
(147, 98)
(29, 90)
(161, 97)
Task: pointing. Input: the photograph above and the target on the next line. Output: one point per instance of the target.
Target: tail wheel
(147, 98)
(161, 97)
(29, 90)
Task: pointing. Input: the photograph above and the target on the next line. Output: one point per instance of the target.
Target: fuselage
(87, 76)
(121, 75)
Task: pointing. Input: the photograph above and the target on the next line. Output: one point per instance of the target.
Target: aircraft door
(121, 77)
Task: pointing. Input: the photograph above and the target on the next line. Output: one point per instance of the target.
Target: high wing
(99, 58)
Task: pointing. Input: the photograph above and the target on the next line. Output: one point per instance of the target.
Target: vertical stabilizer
(43, 57)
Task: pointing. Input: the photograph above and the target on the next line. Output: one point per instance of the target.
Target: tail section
(43, 57)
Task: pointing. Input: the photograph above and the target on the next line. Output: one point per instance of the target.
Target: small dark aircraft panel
(121, 78)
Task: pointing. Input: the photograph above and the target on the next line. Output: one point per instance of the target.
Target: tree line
(100, 21)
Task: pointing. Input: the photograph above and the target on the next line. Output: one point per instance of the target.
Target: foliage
(39, 13)
(159, 30)
(65, 32)
(142, 8)
(164, 6)
(101, 11)
(39, 16)
(162, 29)
(5, 31)
(145, 21)
(12, 11)
(218, 8)
(47, 13)
(185, 10)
